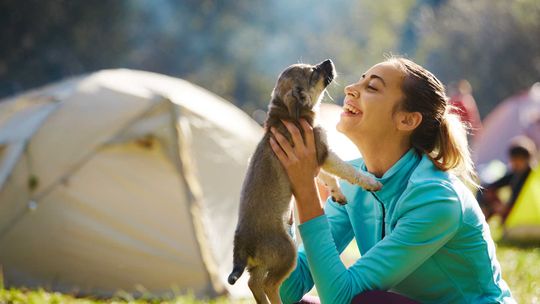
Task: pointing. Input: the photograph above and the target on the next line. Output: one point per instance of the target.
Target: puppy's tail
(239, 265)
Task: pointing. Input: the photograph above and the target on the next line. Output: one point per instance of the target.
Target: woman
(422, 235)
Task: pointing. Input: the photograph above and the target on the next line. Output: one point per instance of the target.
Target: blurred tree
(44, 41)
(237, 48)
(233, 48)
(492, 43)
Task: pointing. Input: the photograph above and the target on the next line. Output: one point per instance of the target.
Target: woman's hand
(299, 160)
(300, 163)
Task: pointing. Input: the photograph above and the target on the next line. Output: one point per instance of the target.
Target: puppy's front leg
(331, 183)
(338, 167)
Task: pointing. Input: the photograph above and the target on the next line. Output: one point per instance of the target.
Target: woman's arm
(300, 280)
(501, 182)
(431, 219)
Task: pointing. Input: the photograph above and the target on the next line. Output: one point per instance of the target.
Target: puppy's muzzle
(327, 69)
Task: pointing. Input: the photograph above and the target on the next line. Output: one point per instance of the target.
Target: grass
(18, 296)
(520, 266)
(520, 269)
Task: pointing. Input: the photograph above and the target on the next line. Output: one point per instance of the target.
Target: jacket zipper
(383, 230)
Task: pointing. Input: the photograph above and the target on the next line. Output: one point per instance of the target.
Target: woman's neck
(380, 155)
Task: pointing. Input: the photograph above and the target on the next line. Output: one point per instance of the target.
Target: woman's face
(368, 108)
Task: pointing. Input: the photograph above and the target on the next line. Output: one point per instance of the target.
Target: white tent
(121, 181)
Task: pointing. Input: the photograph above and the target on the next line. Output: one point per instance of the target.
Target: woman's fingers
(278, 151)
(284, 146)
(300, 151)
(298, 141)
(308, 134)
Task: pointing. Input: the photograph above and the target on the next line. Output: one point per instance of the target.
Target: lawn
(520, 268)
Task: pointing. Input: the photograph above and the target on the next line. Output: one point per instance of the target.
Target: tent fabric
(121, 180)
(523, 222)
(518, 115)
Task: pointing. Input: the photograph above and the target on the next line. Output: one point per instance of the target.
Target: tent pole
(186, 169)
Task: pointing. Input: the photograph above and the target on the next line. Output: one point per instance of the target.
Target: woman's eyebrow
(373, 76)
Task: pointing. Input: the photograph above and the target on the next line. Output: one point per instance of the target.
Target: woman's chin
(351, 129)
(345, 127)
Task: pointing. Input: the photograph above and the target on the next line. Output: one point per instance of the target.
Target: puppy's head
(300, 86)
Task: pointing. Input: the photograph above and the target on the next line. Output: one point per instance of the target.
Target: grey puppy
(261, 241)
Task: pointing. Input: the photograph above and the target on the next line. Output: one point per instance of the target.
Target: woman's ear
(408, 121)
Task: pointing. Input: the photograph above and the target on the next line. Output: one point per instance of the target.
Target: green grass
(520, 266)
(520, 269)
(18, 296)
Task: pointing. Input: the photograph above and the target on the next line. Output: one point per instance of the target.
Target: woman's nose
(350, 90)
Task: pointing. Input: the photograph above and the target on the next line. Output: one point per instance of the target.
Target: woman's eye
(371, 88)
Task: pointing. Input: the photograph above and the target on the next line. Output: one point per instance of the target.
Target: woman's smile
(349, 109)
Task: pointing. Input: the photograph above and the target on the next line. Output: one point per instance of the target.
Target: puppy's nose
(327, 62)
(327, 67)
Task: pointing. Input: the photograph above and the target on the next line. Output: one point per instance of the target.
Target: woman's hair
(441, 135)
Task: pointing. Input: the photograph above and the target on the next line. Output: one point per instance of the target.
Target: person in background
(520, 156)
(464, 105)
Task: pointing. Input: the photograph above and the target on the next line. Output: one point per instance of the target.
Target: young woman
(422, 236)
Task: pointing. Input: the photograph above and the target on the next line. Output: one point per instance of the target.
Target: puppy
(261, 241)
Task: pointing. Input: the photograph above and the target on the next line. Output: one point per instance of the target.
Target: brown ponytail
(452, 151)
(441, 135)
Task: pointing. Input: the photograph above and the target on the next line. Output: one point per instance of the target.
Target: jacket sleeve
(501, 182)
(429, 217)
(300, 280)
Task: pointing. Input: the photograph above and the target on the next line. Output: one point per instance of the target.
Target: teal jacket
(422, 236)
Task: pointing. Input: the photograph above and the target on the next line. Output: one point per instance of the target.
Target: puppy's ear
(295, 100)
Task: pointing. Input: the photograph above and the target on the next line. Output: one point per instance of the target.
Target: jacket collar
(396, 178)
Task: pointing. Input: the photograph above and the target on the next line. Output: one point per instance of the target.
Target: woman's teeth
(350, 109)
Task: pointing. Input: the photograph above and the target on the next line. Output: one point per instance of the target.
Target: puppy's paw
(367, 182)
(338, 196)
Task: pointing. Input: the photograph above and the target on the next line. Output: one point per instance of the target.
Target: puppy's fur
(261, 241)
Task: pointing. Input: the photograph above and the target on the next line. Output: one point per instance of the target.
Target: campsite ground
(519, 265)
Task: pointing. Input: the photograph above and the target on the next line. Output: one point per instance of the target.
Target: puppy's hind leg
(256, 284)
(280, 270)
(335, 165)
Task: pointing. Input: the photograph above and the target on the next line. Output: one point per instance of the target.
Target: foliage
(494, 44)
(237, 48)
(44, 41)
